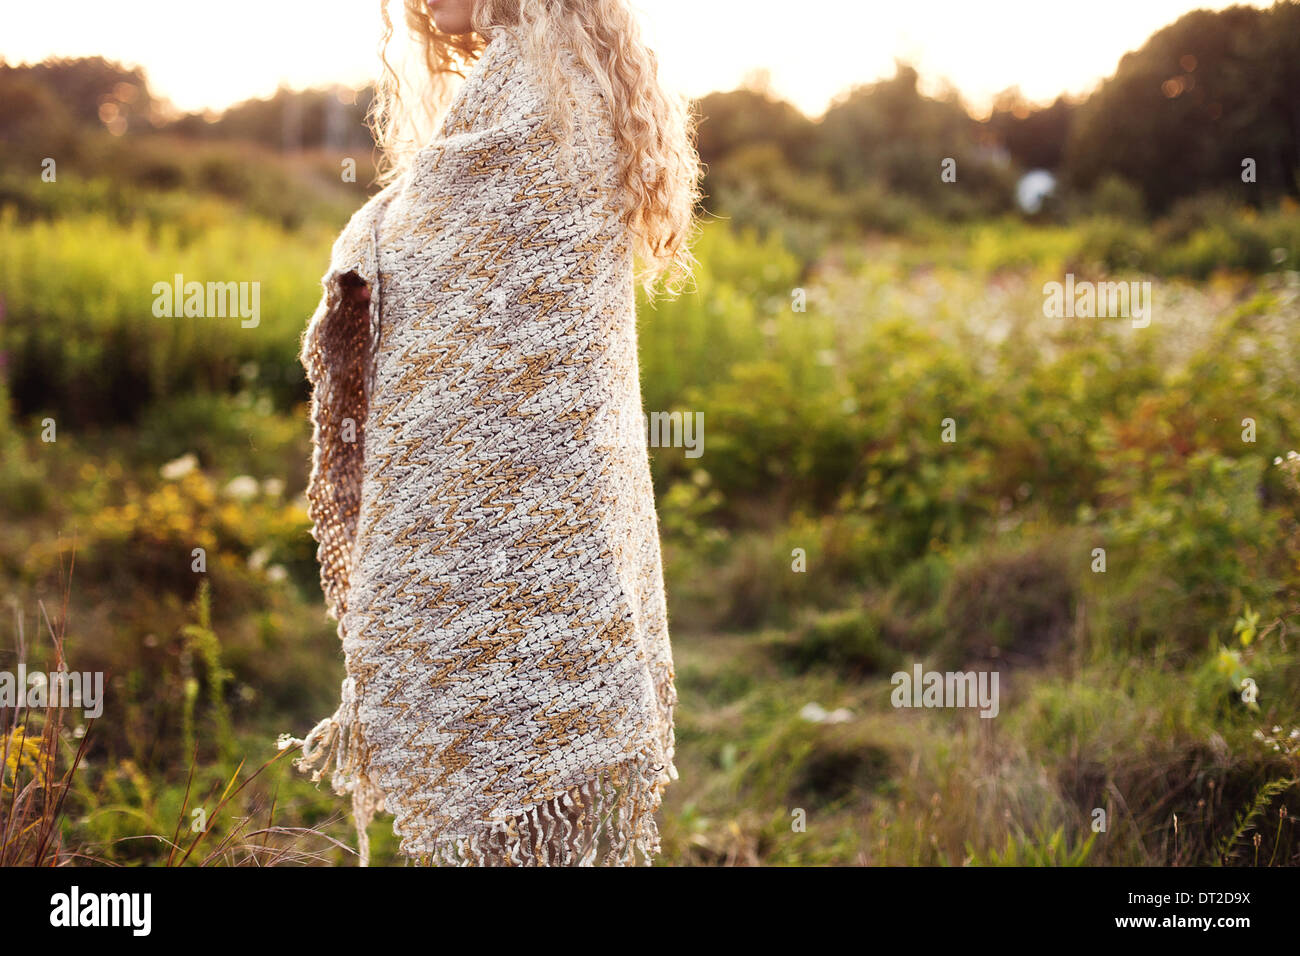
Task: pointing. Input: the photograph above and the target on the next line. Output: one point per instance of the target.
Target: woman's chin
(451, 25)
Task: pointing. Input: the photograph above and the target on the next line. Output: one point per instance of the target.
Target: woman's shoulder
(496, 87)
(506, 103)
(513, 79)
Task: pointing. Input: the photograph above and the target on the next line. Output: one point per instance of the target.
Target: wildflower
(813, 713)
(179, 467)
(816, 714)
(242, 487)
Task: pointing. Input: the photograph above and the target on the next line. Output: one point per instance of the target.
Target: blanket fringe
(614, 811)
(609, 820)
(337, 739)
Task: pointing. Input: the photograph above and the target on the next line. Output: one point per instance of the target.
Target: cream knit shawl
(480, 492)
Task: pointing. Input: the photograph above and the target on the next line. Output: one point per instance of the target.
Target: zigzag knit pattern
(481, 496)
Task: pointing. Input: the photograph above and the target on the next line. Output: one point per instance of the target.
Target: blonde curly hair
(656, 131)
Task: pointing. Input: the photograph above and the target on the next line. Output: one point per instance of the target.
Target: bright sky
(213, 54)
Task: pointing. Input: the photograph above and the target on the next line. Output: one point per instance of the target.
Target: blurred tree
(34, 122)
(1181, 114)
(745, 117)
(93, 91)
(889, 134)
(290, 120)
(1034, 136)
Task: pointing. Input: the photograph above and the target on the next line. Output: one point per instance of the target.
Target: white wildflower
(813, 713)
(179, 467)
(242, 487)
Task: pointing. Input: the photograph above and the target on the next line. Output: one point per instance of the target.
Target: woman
(480, 488)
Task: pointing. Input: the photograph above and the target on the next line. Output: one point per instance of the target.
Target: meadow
(905, 462)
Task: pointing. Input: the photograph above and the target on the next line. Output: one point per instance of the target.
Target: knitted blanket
(480, 494)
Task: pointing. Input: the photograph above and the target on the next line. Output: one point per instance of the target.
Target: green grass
(827, 536)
